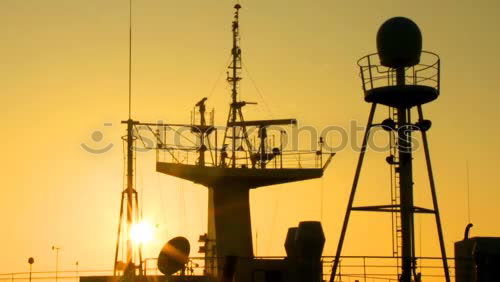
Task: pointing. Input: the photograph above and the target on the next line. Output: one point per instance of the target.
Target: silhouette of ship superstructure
(229, 170)
(400, 76)
(235, 168)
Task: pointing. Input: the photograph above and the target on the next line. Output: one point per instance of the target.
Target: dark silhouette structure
(477, 259)
(400, 76)
(234, 169)
(174, 256)
(229, 171)
(129, 203)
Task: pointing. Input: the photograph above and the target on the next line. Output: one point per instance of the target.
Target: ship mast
(230, 178)
(129, 193)
(130, 142)
(234, 79)
(235, 113)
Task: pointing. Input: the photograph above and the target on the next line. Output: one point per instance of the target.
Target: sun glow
(142, 232)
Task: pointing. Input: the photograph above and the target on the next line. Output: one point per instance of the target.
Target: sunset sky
(64, 74)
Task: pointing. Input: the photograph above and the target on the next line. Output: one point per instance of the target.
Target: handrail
(378, 268)
(425, 73)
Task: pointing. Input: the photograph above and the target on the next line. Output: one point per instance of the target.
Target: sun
(141, 232)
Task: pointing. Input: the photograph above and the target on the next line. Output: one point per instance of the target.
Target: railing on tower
(374, 74)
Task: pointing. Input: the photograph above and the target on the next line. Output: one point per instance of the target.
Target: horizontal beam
(264, 122)
(390, 208)
(245, 123)
(162, 124)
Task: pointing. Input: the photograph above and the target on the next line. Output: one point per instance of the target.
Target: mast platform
(249, 177)
(421, 81)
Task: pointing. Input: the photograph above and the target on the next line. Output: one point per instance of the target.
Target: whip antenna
(130, 62)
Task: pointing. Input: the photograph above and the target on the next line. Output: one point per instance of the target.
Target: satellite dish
(174, 255)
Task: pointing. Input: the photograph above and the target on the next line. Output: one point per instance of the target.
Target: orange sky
(64, 74)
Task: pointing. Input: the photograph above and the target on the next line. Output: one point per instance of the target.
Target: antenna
(468, 190)
(130, 62)
(132, 208)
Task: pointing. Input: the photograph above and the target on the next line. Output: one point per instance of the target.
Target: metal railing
(374, 75)
(182, 146)
(285, 159)
(383, 268)
(351, 268)
(62, 275)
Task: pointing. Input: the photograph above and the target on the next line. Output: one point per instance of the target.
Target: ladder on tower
(395, 196)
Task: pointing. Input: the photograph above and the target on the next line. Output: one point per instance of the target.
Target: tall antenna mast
(130, 142)
(235, 120)
(130, 62)
(132, 205)
(234, 78)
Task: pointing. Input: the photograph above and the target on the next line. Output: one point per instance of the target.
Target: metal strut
(402, 202)
(353, 192)
(132, 207)
(434, 197)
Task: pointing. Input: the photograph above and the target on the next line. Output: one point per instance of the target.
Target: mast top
(237, 7)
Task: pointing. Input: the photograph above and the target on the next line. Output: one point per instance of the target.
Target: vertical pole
(55, 248)
(275, 157)
(130, 61)
(434, 199)
(31, 261)
(119, 233)
(202, 128)
(406, 184)
(282, 132)
(364, 268)
(57, 262)
(216, 146)
(321, 152)
(202, 148)
(353, 192)
(234, 108)
(130, 188)
(130, 153)
(138, 218)
(263, 136)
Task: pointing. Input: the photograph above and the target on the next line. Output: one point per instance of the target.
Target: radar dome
(399, 43)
